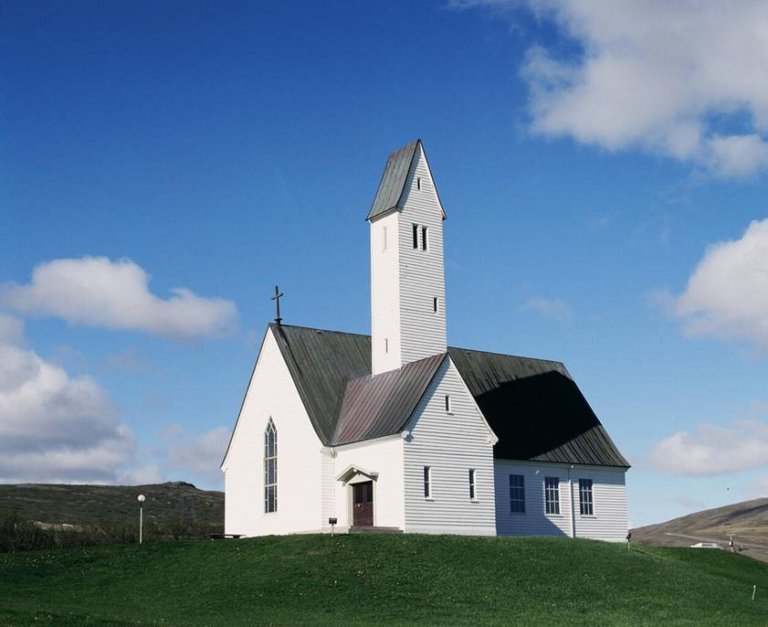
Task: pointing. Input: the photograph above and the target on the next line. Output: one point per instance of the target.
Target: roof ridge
(316, 329)
(475, 350)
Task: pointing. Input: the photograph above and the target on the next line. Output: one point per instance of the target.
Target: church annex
(398, 430)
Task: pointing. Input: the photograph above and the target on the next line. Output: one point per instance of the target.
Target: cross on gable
(278, 295)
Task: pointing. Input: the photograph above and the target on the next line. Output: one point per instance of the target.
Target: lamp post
(141, 499)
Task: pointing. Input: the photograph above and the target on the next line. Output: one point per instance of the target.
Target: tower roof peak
(392, 187)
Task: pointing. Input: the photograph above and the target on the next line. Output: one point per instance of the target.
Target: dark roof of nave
(533, 405)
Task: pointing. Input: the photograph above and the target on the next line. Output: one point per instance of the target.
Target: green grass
(382, 579)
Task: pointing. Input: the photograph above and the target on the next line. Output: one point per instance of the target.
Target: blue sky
(163, 165)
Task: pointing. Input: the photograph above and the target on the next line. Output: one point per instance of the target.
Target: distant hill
(168, 504)
(747, 522)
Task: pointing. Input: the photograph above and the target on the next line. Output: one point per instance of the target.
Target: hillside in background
(167, 504)
(747, 522)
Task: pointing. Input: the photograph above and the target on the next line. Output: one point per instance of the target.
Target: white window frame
(552, 496)
(516, 494)
(428, 495)
(472, 484)
(586, 497)
(270, 468)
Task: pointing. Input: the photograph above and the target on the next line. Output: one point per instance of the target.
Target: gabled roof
(532, 405)
(321, 364)
(377, 406)
(390, 194)
(536, 410)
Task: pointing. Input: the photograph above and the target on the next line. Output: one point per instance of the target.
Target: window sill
(429, 498)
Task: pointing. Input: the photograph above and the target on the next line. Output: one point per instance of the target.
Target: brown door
(362, 504)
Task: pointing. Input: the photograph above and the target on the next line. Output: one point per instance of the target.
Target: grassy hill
(173, 503)
(747, 522)
(382, 579)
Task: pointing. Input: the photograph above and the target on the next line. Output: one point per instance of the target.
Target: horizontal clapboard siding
(610, 504)
(385, 294)
(272, 394)
(421, 271)
(608, 523)
(451, 444)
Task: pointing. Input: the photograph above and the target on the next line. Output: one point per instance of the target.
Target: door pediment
(355, 474)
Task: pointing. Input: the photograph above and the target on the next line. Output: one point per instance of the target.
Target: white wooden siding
(271, 393)
(451, 444)
(608, 493)
(385, 295)
(609, 498)
(422, 275)
(383, 456)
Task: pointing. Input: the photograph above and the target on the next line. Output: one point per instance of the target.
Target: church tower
(407, 270)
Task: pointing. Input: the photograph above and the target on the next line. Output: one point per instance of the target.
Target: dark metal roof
(392, 184)
(321, 363)
(391, 190)
(536, 410)
(377, 406)
(532, 405)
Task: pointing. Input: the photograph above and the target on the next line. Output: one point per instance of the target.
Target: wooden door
(362, 504)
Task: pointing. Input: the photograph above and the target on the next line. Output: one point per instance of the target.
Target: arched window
(270, 467)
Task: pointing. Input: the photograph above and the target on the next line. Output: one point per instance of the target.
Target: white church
(399, 431)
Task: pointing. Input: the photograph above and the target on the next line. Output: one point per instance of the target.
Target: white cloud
(11, 331)
(758, 488)
(684, 79)
(200, 455)
(115, 294)
(549, 307)
(54, 427)
(713, 450)
(727, 294)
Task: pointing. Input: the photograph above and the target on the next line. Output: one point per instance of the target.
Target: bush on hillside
(17, 534)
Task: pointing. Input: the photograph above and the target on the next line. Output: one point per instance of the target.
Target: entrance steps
(360, 529)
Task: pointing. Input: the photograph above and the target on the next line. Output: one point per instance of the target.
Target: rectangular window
(384, 239)
(517, 494)
(415, 235)
(448, 403)
(418, 183)
(472, 478)
(423, 238)
(434, 304)
(585, 497)
(427, 482)
(386, 345)
(552, 495)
